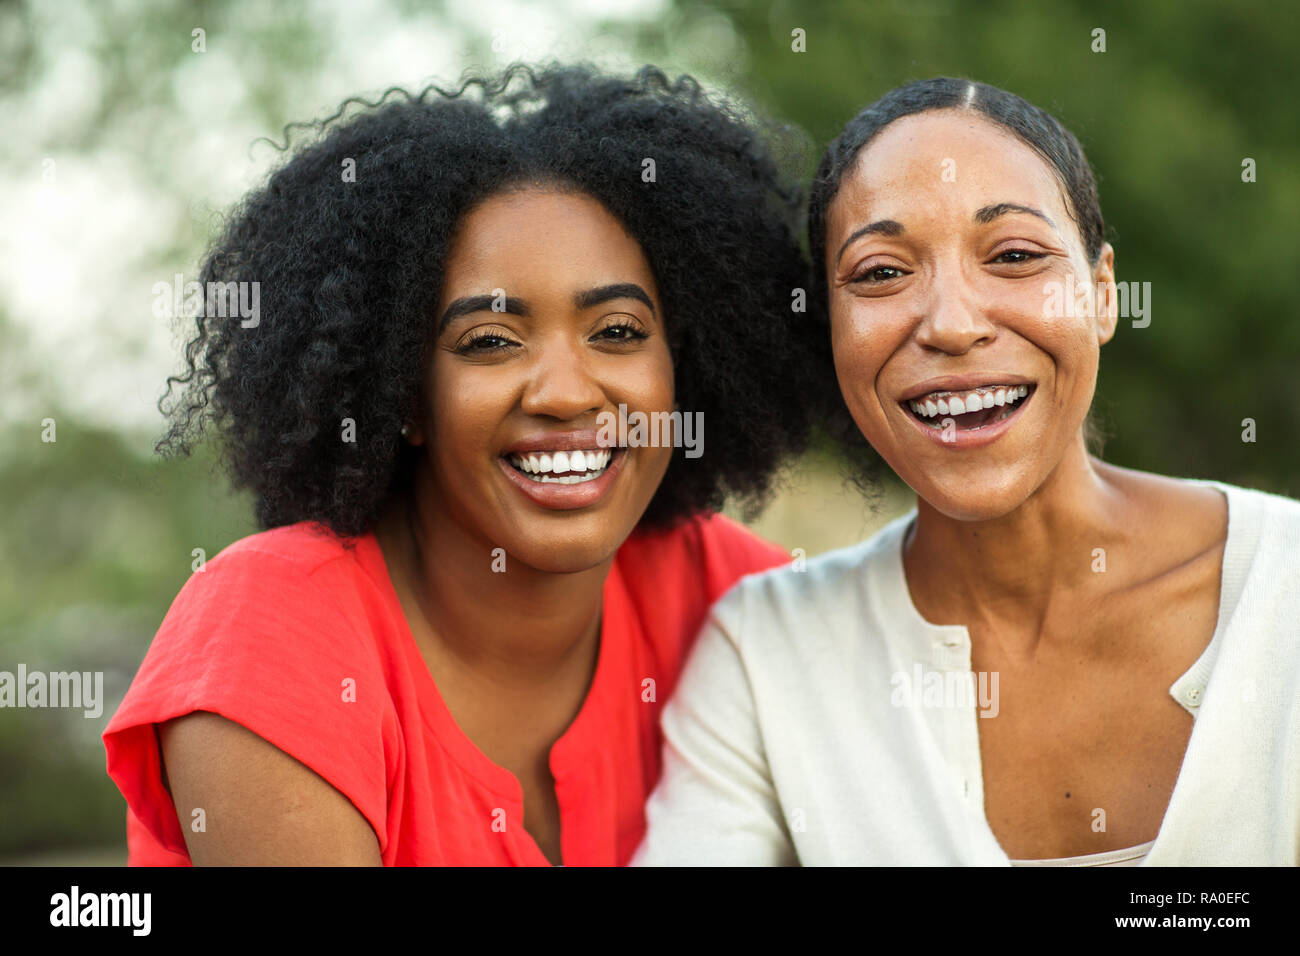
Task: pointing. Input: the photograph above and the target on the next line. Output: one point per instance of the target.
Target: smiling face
(949, 247)
(549, 316)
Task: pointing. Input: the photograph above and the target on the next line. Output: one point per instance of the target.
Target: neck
(515, 626)
(1005, 573)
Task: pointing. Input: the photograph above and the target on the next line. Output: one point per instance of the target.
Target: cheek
(647, 384)
(1078, 364)
(465, 405)
(1047, 311)
(644, 381)
(862, 339)
(850, 347)
(1070, 342)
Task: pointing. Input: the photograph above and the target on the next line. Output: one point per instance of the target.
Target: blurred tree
(96, 539)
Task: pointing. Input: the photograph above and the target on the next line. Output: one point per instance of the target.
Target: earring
(406, 430)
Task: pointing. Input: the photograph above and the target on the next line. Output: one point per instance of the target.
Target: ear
(1103, 278)
(415, 433)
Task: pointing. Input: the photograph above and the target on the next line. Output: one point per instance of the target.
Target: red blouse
(303, 641)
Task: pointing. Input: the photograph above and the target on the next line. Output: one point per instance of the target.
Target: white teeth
(1001, 395)
(538, 466)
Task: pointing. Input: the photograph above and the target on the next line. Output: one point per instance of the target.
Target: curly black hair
(347, 271)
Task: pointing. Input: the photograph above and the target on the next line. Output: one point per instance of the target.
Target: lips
(969, 416)
(551, 442)
(565, 495)
(564, 467)
(960, 384)
(562, 471)
(969, 409)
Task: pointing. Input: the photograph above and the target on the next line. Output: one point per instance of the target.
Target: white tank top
(1129, 856)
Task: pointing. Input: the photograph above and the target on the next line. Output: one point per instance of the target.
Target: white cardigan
(786, 743)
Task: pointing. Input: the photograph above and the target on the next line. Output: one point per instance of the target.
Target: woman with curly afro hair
(492, 323)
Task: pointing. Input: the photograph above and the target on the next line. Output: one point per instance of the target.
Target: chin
(965, 498)
(558, 556)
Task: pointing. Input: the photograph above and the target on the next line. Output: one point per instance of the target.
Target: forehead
(942, 163)
(552, 224)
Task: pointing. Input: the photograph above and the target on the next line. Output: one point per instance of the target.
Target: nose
(562, 384)
(954, 321)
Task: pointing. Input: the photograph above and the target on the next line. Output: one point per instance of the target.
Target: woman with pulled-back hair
(1052, 660)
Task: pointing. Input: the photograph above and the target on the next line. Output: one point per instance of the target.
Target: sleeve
(715, 804)
(261, 640)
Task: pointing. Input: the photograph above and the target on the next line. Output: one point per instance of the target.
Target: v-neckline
(1229, 592)
(442, 725)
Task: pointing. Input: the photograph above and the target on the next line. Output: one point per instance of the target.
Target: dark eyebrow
(989, 213)
(888, 227)
(607, 293)
(479, 303)
(885, 227)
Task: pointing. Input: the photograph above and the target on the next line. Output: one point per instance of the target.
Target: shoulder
(304, 547)
(710, 552)
(667, 578)
(1263, 530)
(292, 564)
(293, 593)
(1277, 508)
(1259, 590)
(1263, 540)
(1255, 654)
(265, 635)
(835, 593)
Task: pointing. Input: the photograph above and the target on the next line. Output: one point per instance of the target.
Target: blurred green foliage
(96, 539)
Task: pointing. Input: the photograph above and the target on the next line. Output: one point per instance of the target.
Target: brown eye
(878, 274)
(620, 333)
(482, 342)
(1024, 254)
